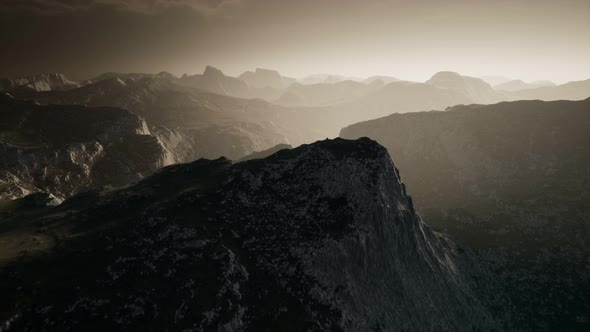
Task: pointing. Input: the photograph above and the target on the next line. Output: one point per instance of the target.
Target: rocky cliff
(63, 150)
(320, 237)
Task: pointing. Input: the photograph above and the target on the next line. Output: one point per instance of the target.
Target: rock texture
(41, 82)
(201, 125)
(63, 150)
(320, 237)
(509, 181)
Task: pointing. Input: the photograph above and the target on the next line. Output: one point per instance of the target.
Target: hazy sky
(531, 40)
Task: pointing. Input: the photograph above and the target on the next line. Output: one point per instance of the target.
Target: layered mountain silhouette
(577, 90)
(509, 181)
(517, 85)
(384, 79)
(323, 236)
(266, 78)
(198, 124)
(325, 94)
(325, 78)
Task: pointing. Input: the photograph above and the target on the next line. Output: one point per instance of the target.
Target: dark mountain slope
(321, 237)
(510, 181)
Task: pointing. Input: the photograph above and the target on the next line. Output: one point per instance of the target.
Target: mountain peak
(212, 71)
(445, 75)
(267, 71)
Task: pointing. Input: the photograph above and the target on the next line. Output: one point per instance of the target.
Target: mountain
(267, 152)
(325, 78)
(324, 94)
(124, 77)
(471, 89)
(384, 79)
(320, 237)
(194, 124)
(517, 85)
(41, 82)
(63, 150)
(495, 80)
(213, 80)
(443, 90)
(266, 78)
(577, 90)
(265, 83)
(510, 182)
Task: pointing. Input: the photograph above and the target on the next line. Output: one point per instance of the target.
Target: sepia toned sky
(529, 40)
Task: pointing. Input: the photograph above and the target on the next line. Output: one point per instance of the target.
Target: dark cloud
(52, 7)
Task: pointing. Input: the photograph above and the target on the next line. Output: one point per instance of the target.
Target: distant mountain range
(518, 85)
(510, 182)
(200, 115)
(324, 89)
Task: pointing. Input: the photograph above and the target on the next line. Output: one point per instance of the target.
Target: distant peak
(445, 75)
(165, 74)
(266, 71)
(212, 71)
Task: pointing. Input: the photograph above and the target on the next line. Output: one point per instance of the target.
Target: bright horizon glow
(529, 40)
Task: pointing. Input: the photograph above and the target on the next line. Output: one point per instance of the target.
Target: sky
(412, 40)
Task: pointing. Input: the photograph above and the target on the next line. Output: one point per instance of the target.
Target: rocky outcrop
(63, 150)
(320, 237)
(267, 152)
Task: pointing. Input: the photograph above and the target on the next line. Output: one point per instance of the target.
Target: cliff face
(509, 181)
(63, 150)
(321, 237)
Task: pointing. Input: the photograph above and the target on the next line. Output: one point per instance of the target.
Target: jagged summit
(40, 82)
(212, 71)
(322, 235)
